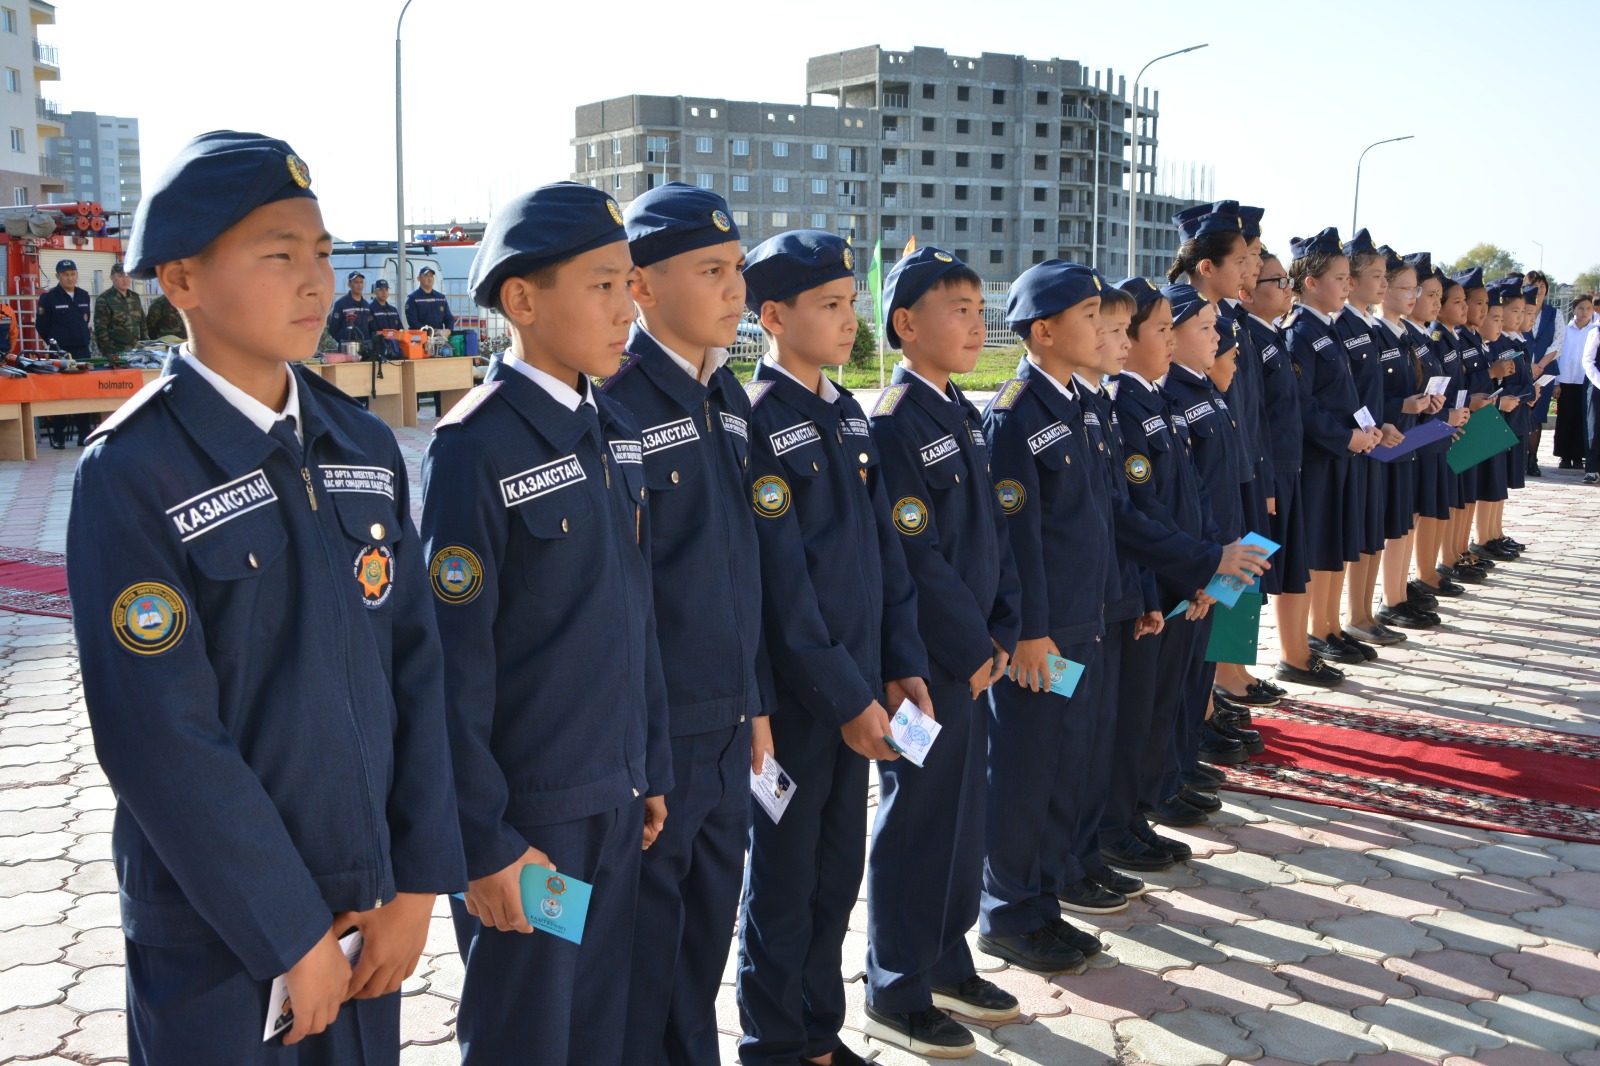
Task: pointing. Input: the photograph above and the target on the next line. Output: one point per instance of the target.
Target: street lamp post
(1364, 151)
(1133, 178)
(1541, 256)
(400, 175)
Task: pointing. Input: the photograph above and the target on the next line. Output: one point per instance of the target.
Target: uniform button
(1069, 460)
(377, 531)
(958, 479)
(840, 434)
(635, 793)
(674, 477)
(251, 559)
(864, 458)
(641, 494)
(814, 467)
(1102, 445)
(741, 719)
(564, 527)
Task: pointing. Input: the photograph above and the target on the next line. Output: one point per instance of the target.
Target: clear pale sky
(1280, 104)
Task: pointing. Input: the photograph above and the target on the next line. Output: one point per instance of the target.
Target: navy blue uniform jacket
(382, 317)
(63, 317)
(350, 319)
(537, 530)
(935, 471)
(704, 554)
(838, 604)
(1329, 400)
(1214, 445)
(429, 309)
(1363, 345)
(1135, 591)
(1280, 382)
(262, 674)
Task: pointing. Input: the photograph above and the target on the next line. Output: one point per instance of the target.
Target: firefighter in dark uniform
(63, 317)
(384, 315)
(351, 317)
(426, 308)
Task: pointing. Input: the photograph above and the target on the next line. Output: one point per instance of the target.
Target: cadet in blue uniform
(925, 867)
(536, 523)
(694, 423)
(1544, 333)
(840, 622)
(383, 315)
(259, 662)
(63, 318)
(426, 308)
(1447, 337)
(350, 320)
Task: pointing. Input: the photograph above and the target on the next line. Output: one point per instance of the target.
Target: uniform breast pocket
(947, 474)
(675, 499)
(805, 463)
(1204, 428)
(563, 530)
(372, 539)
(244, 590)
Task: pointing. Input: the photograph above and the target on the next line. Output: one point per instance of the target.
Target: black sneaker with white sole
(1088, 897)
(1120, 883)
(930, 1032)
(978, 999)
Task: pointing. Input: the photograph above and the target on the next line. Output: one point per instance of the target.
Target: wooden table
(450, 376)
(382, 394)
(16, 432)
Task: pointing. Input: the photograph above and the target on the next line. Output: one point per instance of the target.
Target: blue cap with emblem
(1324, 243)
(552, 223)
(1392, 260)
(908, 279)
(381, 283)
(1469, 279)
(1360, 244)
(1250, 221)
(65, 264)
(1227, 335)
(1048, 289)
(1201, 219)
(675, 218)
(214, 182)
(1508, 277)
(425, 270)
(1530, 293)
(1186, 301)
(794, 262)
(1422, 263)
(1144, 291)
(1500, 294)
(354, 274)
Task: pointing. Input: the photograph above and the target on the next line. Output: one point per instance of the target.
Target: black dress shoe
(1404, 615)
(1090, 897)
(1195, 783)
(1200, 800)
(843, 1056)
(1175, 812)
(977, 998)
(1534, 471)
(1317, 673)
(1216, 777)
(1269, 688)
(1234, 713)
(1248, 739)
(1482, 562)
(1419, 593)
(1219, 750)
(1082, 941)
(58, 445)
(929, 1032)
(1254, 696)
(1497, 552)
(1120, 883)
(1179, 851)
(1376, 635)
(1131, 853)
(1333, 652)
(1430, 617)
(1365, 651)
(1466, 575)
(1515, 545)
(1039, 951)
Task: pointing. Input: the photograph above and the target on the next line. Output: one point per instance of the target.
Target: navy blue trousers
(1182, 667)
(1032, 787)
(1092, 740)
(196, 1004)
(1133, 755)
(534, 997)
(688, 901)
(800, 885)
(925, 867)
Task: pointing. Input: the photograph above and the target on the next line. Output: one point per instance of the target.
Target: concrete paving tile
(442, 1054)
(1477, 931)
(1367, 833)
(1140, 911)
(1453, 974)
(90, 847)
(97, 911)
(1343, 981)
(34, 1031)
(1584, 1058)
(882, 1054)
(1037, 995)
(441, 936)
(1303, 901)
(1185, 1038)
(1270, 838)
(1229, 987)
(1510, 1055)
(1080, 1040)
(1204, 841)
(91, 822)
(1374, 936)
(1496, 893)
(34, 754)
(1579, 886)
(30, 847)
(1298, 812)
(1554, 968)
(100, 1037)
(1425, 862)
(41, 876)
(95, 798)
(97, 947)
(34, 985)
(1514, 859)
(1181, 875)
(1568, 923)
(1161, 947)
(984, 964)
(100, 988)
(33, 944)
(1392, 1058)
(427, 1019)
(1308, 1033)
(93, 877)
(1542, 1020)
(1426, 1026)
(1580, 856)
(1268, 942)
(35, 908)
(1330, 866)
(1241, 871)
(1400, 897)
(38, 820)
(1203, 906)
(1238, 809)
(1116, 993)
(44, 773)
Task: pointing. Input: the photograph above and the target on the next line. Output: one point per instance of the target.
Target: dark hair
(1310, 266)
(1536, 277)
(1141, 315)
(1582, 297)
(1213, 247)
(1361, 260)
(1114, 299)
(960, 274)
(1445, 287)
(1401, 269)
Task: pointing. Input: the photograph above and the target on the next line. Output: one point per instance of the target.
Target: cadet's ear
(772, 317)
(519, 301)
(639, 287)
(177, 281)
(903, 324)
(1040, 333)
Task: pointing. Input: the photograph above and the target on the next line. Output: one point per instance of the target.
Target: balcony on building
(46, 61)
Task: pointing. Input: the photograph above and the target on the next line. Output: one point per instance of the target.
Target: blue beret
(1499, 294)
(1324, 243)
(541, 228)
(214, 182)
(1360, 244)
(794, 262)
(1144, 291)
(1469, 279)
(1250, 221)
(1530, 293)
(1422, 263)
(65, 264)
(1197, 221)
(675, 218)
(1186, 301)
(1227, 335)
(1048, 289)
(908, 280)
(1509, 277)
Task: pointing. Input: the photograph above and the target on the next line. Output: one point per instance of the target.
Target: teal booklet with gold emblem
(1226, 589)
(1064, 675)
(554, 902)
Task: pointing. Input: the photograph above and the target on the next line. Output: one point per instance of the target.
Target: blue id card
(554, 902)
(1064, 675)
(1226, 589)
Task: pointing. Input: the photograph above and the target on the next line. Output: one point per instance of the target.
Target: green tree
(865, 349)
(1495, 261)
(1588, 281)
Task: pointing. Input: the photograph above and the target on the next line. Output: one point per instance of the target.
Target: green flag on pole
(875, 283)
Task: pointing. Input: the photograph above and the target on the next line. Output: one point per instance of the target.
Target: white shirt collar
(1368, 319)
(559, 390)
(1396, 330)
(715, 358)
(1130, 374)
(1084, 383)
(1326, 320)
(1068, 393)
(1261, 320)
(260, 415)
(947, 397)
(1197, 375)
(827, 391)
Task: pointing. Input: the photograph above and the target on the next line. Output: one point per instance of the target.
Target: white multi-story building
(99, 160)
(29, 173)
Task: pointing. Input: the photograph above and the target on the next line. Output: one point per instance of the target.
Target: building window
(963, 93)
(107, 146)
(963, 159)
(19, 196)
(780, 184)
(819, 187)
(819, 221)
(616, 183)
(925, 222)
(997, 161)
(83, 161)
(1042, 98)
(927, 92)
(780, 148)
(964, 126)
(961, 192)
(997, 192)
(702, 145)
(741, 183)
(704, 181)
(927, 191)
(999, 96)
(591, 149)
(16, 140)
(1069, 108)
(996, 256)
(13, 81)
(657, 147)
(819, 151)
(927, 157)
(780, 219)
(929, 124)
(997, 225)
(1038, 256)
(8, 20)
(1038, 195)
(964, 254)
(741, 146)
(85, 143)
(616, 148)
(997, 129)
(1039, 162)
(961, 223)
(1038, 225)
(891, 222)
(741, 218)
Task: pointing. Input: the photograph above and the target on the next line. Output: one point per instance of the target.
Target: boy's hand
(496, 900)
(318, 983)
(1390, 435)
(989, 672)
(1358, 441)
(1243, 561)
(865, 732)
(1030, 666)
(760, 742)
(392, 939)
(1415, 405)
(1509, 403)
(655, 818)
(1148, 624)
(910, 688)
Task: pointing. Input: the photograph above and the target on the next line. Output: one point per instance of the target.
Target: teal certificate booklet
(554, 902)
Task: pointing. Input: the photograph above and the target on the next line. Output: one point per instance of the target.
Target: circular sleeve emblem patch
(375, 574)
(1012, 496)
(456, 575)
(910, 516)
(1138, 468)
(149, 618)
(771, 496)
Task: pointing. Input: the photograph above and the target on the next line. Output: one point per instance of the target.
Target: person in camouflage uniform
(118, 316)
(161, 319)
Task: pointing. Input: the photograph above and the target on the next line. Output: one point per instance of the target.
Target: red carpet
(1419, 766)
(34, 582)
